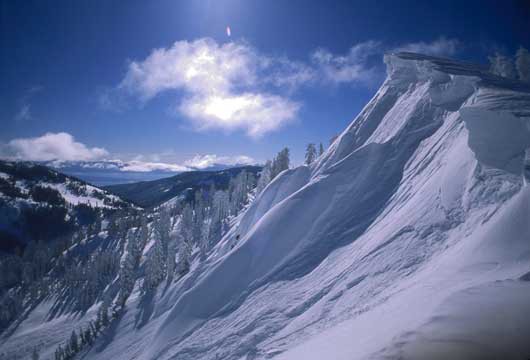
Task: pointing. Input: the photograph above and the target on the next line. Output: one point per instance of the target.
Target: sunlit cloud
(233, 87)
(50, 146)
(258, 114)
(220, 84)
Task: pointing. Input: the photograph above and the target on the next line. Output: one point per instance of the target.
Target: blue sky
(87, 74)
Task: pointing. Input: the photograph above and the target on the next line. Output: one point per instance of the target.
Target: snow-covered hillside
(33, 196)
(408, 238)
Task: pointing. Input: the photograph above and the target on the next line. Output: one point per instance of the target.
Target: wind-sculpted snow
(408, 238)
(397, 191)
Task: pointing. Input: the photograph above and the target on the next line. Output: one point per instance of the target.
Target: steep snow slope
(409, 238)
(413, 215)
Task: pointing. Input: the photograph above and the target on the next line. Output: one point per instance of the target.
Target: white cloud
(232, 86)
(61, 149)
(50, 146)
(142, 166)
(439, 47)
(351, 67)
(220, 83)
(208, 160)
(256, 113)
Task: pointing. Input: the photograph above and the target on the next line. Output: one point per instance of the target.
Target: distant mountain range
(112, 172)
(156, 192)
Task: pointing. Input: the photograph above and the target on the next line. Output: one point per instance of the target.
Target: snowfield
(409, 238)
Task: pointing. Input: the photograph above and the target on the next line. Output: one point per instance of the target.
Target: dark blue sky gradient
(73, 50)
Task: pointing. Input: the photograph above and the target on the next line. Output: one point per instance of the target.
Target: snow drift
(408, 238)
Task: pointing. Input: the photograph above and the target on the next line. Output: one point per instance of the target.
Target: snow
(408, 238)
(89, 198)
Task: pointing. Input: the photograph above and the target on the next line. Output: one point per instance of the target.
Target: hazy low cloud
(61, 148)
(143, 166)
(50, 146)
(206, 161)
(439, 47)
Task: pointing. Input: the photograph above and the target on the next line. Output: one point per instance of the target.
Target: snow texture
(408, 238)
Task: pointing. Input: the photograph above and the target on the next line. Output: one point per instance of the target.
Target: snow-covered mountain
(37, 202)
(407, 239)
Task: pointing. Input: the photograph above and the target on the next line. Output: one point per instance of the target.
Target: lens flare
(228, 31)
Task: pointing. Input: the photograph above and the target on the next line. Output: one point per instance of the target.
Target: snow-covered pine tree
(163, 226)
(88, 335)
(264, 177)
(502, 65)
(186, 223)
(128, 266)
(310, 153)
(204, 245)
(142, 237)
(184, 254)
(155, 266)
(219, 212)
(239, 192)
(522, 63)
(198, 218)
(171, 254)
(74, 343)
(320, 149)
(105, 321)
(281, 162)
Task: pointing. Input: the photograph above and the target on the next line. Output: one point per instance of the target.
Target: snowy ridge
(408, 238)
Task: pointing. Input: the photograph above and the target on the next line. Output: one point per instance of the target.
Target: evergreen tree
(280, 162)
(171, 253)
(127, 270)
(35, 354)
(502, 65)
(310, 154)
(320, 149)
(59, 353)
(239, 190)
(522, 63)
(264, 177)
(74, 342)
(198, 221)
(104, 315)
(186, 223)
(155, 265)
(163, 227)
(204, 245)
(88, 335)
(184, 250)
